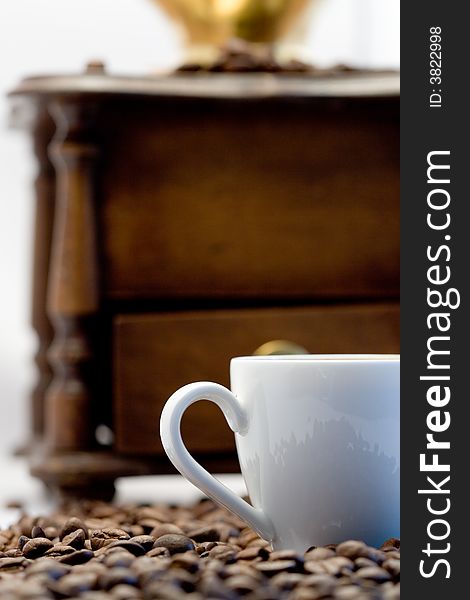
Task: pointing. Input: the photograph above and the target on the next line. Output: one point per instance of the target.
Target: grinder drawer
(289, 199)
(154, 354)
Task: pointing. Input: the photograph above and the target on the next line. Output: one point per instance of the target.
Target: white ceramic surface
(318, 441)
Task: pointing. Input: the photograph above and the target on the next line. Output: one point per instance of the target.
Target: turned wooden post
(73, 300)
(44, 213)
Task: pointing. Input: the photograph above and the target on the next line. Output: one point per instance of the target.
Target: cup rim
(318, 358)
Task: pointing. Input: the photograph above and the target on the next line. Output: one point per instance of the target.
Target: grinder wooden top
(215, 85)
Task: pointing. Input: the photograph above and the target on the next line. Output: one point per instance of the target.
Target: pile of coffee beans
(239, 56)
(101, 551)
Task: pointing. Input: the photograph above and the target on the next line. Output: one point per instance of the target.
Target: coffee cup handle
(170, 433)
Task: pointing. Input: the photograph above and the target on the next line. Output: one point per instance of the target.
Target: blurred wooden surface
(156, 353)
(265, 199)
(195, 218)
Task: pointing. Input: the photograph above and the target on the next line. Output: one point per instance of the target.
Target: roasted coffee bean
(165, 529)
(287, 581)
(132, 547)
(38, 532)
(98, 543)
(76, 558)
(364, 562)
(258, 543)
(271, 568)
(376, 555)
(223, 553)
(30, 590)
(242, 584)
(148, 525)
(315, 567)
(322, 584)
(74, 584)
(252, 554)
(189, 561)
(76, 539)
(246, 537)
(141, 564)
(152, 512)
(22, 541)
(241, 567)
(319, 554)
(205, 547)
(104, 551)
(159, 551)
(115, 533)
(226, 531)
(37, 547)
(118, 559)
(203, 507)
(351, 592)
(213, 587)
(93, 524)
(51, 533)
(116, 576)
(91, 567)
(392, 594)
(352, 549)
(12, 563)
(135, 530)
(124, 592)
(393, 566)
(391, 543)
(182, 578)
(204, 534)
(60, 550)
(4, 541)
(72, 525)
(286, 555)
(335, 564)
(49, 567)
(25, 524)
(104, 537)
(146, 541)
(102, 510)
(94, 595)
(265, 593)
(174, 543)
(150, 576)
(163, 591)
(375, 573)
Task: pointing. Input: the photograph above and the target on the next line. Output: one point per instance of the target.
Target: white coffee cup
(318, 440)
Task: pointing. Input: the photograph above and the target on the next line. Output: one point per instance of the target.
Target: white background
(130, 36)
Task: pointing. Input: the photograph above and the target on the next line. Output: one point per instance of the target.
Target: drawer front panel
(292, 199)
(155, 354)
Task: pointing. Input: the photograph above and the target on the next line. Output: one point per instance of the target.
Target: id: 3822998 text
(435, 67)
